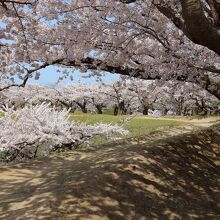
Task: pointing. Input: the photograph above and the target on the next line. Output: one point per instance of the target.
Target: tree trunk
(99, 109)
(165, 111)
(82, 106)
(145, 110)
(199, 29)
(115, 110)
(122, 109)
(83, 109)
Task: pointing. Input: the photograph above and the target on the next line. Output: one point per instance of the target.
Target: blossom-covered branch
(38, 130)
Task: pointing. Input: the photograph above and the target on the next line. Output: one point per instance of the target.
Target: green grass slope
(137, 125)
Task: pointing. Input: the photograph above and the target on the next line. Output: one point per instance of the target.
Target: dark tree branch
(29, 74)
(199, 29)
(194, 23)
(203, 80)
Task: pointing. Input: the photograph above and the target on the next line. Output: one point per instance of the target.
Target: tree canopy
(154, 39)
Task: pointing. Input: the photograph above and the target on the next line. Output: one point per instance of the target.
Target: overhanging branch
(202, 80)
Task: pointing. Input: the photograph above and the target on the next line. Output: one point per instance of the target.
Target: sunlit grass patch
(137, 125)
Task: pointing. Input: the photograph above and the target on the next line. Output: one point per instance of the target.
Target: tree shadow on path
(175, 178)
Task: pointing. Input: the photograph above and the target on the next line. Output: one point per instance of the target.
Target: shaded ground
(174, 178)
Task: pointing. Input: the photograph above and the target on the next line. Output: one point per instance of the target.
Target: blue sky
(49, 76)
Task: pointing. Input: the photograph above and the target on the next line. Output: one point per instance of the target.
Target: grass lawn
(137, 126)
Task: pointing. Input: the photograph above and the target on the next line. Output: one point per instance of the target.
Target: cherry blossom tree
(93, 97)
(147, 93)
(76, 95)
(125, 96)
(146, 39)
(38, 130)
(185, 99)
(124, 100)
(99, 96)
(199, 20)
(30, 94)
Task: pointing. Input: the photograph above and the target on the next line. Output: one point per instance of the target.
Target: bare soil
(163, 175)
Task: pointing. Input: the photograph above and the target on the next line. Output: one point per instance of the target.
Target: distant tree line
(124, 96)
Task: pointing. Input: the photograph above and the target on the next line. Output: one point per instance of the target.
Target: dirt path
(200, 122)
(176, 178)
